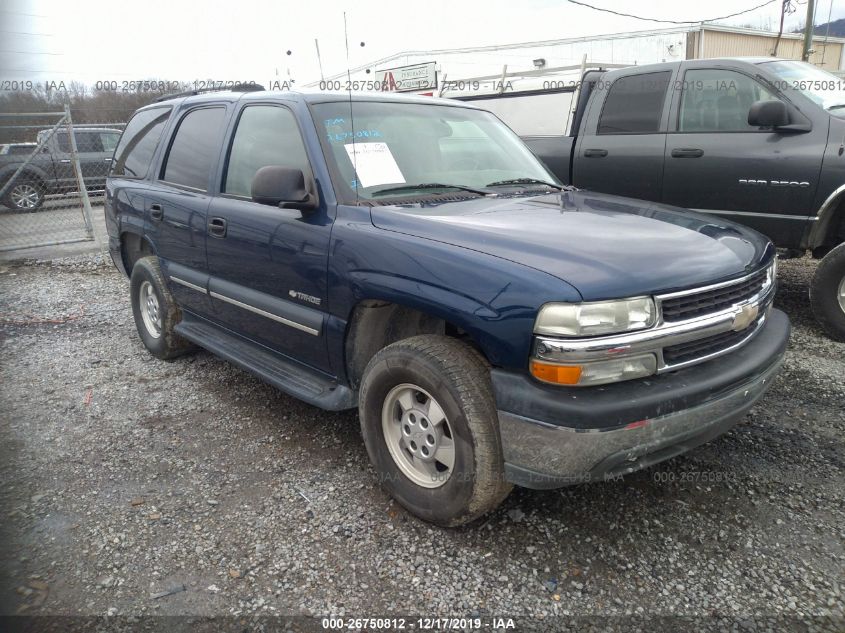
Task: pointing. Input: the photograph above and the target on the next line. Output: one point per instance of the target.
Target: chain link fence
(52, 177)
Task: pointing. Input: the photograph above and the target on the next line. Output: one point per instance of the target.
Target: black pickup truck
(50, 170)
(759, 141)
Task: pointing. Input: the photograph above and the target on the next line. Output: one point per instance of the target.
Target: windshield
(411, 149)
(825, 89)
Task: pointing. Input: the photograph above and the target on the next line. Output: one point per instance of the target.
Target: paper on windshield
(374, 164)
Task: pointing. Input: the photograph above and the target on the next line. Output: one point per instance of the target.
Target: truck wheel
(25, 196)
(429, 421)
(155, 311)
(827, 293)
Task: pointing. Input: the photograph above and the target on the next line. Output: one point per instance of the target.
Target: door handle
(217, 227)
(156, 212)
(595, 153)
(687, 152)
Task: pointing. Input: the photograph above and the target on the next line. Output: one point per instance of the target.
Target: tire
(397, 390)
(827, 293)
(25, 195)
(156, 313)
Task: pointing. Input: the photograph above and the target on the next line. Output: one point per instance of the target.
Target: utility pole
(808, 31)
(783, 10)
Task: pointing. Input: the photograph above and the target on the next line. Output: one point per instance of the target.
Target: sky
(247, 40)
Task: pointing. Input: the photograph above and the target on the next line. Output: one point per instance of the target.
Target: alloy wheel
(418, 435)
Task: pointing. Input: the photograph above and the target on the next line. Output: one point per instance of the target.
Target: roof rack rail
(233, 88)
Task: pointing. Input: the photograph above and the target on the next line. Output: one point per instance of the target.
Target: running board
(284, 374)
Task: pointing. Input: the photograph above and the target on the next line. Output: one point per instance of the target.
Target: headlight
(772, 272)
(597, 318)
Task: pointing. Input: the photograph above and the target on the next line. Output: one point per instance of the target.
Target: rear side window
(634, 104)
(194, 148)
(64, 142)
(266, 135)
(109, 140)
(88, 142)
(85, 142)
(138, 144)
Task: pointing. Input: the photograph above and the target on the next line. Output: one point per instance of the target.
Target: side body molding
(282, 311)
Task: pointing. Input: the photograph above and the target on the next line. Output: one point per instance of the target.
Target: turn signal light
(595, 372)
(558, 374)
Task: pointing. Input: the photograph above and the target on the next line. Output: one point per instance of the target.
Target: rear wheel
(25, 196)
(827, 293)
(429, 421)
(156, 313)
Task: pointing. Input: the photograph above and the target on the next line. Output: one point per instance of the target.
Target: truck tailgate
(555, 152)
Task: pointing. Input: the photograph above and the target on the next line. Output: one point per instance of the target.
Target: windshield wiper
(523, 181)
(430, 185)
(836, 107)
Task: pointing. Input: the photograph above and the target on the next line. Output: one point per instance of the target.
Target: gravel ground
(133, 486)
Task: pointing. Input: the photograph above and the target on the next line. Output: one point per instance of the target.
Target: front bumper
(554, 437)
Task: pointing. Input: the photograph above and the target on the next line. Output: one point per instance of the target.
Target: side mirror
(284, 187)
(768, 114)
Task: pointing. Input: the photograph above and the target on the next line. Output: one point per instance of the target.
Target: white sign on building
(408, 78)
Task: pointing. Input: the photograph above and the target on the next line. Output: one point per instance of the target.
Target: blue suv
(410, 257)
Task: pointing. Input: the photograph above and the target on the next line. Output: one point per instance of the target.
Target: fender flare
(9, 171)
(455, 308)
(125, 232)
(824, 221)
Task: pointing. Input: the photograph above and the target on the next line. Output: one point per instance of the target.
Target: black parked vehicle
(758, 141)
(51, 171)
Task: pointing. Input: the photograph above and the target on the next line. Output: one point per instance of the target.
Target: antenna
(351, 116)
(320, 61)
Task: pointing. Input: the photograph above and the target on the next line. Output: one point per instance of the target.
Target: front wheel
(827, 293)
(26, 196)
(429, 421)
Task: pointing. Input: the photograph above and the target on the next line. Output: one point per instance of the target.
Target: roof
(306, 97)
(749, 31)
(707, 61)
(328, 97)
(748, 60)
(83, 128)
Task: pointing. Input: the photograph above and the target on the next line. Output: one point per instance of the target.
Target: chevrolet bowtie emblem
(745, 317)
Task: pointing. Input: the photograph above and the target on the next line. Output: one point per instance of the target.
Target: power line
(639, 17)
(29, 15)
(28, 52)
(26, 33)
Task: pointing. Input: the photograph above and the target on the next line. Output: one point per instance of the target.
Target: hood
(605, 246)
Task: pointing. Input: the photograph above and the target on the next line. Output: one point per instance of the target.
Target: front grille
(707, 302)
(693, 350)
